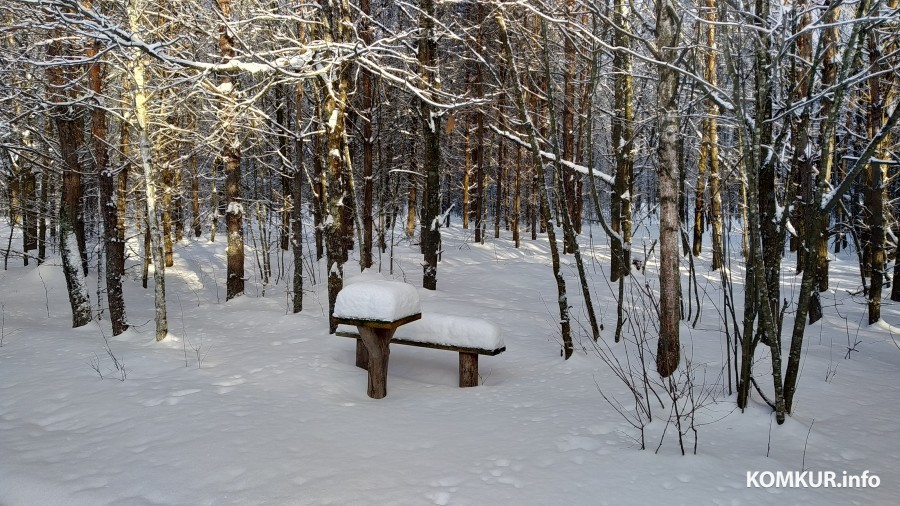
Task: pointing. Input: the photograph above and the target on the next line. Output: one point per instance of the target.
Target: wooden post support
(468, 369)
(377, 343)
(362, 356)
(372, 348)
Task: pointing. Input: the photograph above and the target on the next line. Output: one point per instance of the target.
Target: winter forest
(676, 211)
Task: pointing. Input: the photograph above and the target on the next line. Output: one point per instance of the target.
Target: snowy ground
(247, 404)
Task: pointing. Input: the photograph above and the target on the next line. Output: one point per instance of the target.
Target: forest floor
(245, 403)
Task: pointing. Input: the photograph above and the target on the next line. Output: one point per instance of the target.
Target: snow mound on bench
(377, 300)
(450, 330)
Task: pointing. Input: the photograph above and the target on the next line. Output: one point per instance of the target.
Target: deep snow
(246, 404)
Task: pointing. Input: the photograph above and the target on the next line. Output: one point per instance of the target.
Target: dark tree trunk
(108, 199)
(231, 155)
(623, 146)
(431, 132)
(71, 242)
(367, 34)
(296, 213)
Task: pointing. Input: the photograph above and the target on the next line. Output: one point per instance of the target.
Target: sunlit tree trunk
(74, 268)
(830, 65)
(467, 171)
(231, 155)
(668, 173)
(881, 94)
(335, 27)
(151, 176)
(623, 145)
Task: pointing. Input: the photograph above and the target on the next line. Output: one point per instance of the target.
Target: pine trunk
(431, 131)
(109, 210)
(231, 156)
(366, 84)
(69, 242)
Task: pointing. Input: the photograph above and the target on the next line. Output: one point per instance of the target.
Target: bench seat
(436, 331)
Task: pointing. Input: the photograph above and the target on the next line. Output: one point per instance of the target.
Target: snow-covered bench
(469, 337)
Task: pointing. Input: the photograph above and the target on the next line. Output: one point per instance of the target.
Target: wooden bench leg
(468, 370)
(377, 342)
(362, 356)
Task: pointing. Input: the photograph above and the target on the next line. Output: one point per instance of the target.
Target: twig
(803, 462)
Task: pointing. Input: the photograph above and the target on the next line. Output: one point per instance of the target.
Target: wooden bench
(468, 355)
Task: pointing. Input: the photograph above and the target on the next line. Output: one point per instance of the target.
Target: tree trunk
(109, 210)
(531, 130)
(285, 174)
(623, 146)
(478, 157)
(366, 32)
(151, 177)
(711, 132)
(431, 132)
(817, 214)
(70, 246)
(876, 177)
(411, 194)
(668, 173)
(830, 65)
(517, 198)
(296, 210)
(466, 183)
(195, 198)
(231, 155)
(43, 216)
(335, 27)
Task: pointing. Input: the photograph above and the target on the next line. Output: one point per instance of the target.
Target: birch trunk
(151, 177)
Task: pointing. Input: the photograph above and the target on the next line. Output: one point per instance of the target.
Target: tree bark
(151, 177)
(623, 146)
(71, 247)
(231, 155)
(296, 210)
(335, 26)
(431, 132)
(668, 174)
(108, 201)
(366, 32)
(531, 130)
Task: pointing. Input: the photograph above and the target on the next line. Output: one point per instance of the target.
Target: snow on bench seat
(450, 330)
(385, 301)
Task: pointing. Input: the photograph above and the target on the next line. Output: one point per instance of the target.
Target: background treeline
(126, 126)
